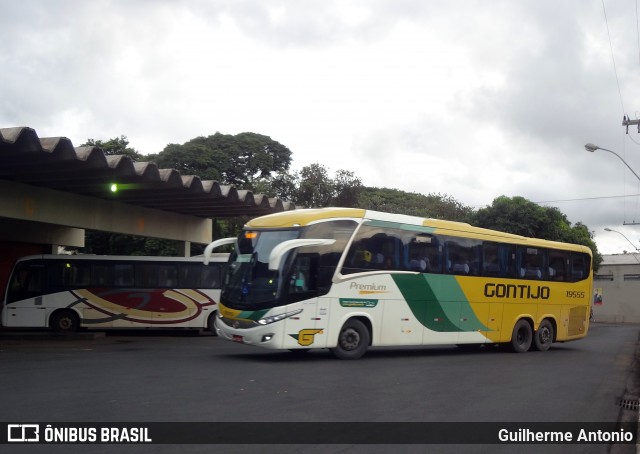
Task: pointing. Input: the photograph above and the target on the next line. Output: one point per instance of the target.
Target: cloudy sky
(474, 99)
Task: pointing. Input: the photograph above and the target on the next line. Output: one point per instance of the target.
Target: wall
(619, 279)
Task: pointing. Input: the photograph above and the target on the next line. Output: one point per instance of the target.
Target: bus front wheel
(65, 322)
(544, 336)
(522, 337)
(211, 323)
(353, 340)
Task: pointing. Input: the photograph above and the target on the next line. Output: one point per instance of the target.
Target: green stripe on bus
(438, 302)
(252, 315)
(395, 225)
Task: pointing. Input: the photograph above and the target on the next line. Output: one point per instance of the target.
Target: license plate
(237, 338)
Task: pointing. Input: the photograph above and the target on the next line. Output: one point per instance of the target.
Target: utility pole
(626, 122)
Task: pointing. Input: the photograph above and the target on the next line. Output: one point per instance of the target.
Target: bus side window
(530, 263)
(123, 275)
(579, 266)
(418, 260)
(167, 275)
(26, 282)
(146, 275)
(100, 275)
(303, 276)
(189, 276)
(491, 260)
(211, 276)
(463, 256)
(78, 274)
(422, 254)
(299, 279)
(558, 261)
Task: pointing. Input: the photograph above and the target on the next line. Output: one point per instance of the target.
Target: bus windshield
(304, 273)
(250, 284)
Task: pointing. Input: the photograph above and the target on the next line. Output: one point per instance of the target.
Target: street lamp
(591, 147)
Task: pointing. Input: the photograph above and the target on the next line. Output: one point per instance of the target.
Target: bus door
(25, 303)
(305, 329)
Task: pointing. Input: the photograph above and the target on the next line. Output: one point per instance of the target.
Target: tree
(315, 188)
(240, 159)
(115, 146)
(520, 216)
(439, 206)
(347, 188)
(282, 185)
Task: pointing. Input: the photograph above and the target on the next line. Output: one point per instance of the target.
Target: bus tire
(522, 336)
(211, 323)
(65, 321)
(544, 336)
(353, 340)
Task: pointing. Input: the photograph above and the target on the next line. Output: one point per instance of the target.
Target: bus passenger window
(167, 276)
(100, 275)
(123, 275)
(580, 264)
(211, 276)
(463, 256)
(558, 261)
(491, 260)
(532, 263)
(78, 274)
(27, 282)
(418, 253)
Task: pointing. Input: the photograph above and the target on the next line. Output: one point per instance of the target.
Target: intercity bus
(347, 279)
(69, 292)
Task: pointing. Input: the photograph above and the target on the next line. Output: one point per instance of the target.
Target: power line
(576, 200)
(588, 198)
(612, 58)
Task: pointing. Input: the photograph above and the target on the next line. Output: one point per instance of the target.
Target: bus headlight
(277, 318)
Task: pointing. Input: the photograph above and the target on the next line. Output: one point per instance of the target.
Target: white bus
(69, 292)
(346, 279)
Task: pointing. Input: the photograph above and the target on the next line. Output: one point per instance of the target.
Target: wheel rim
(545, 335)
(65, 323)
(350, 339)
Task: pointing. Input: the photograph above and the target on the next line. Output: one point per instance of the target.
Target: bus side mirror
(216, 244)
(281, 249)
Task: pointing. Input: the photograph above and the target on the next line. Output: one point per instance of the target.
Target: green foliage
(437, 206)
(239, 159)
(314, 188)
(115, 146)
(347, 189)
(106, 243)
(193, 159)
(282, 185)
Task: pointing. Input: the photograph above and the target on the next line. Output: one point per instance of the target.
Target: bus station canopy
(54, 163)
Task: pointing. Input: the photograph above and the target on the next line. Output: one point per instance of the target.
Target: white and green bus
(347, 279)
(69, 292)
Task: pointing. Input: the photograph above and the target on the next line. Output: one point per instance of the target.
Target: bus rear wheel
(522, 337)
(353, 340)
(65, 322)
(544, 336)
